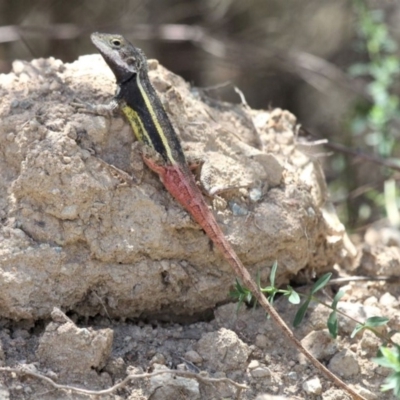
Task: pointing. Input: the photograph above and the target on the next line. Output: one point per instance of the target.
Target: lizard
(161, 149)
(162, 153)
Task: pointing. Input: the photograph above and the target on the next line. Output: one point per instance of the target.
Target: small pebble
(193, 356)
(158, 358)
(388, 300)
(253, 364)
(312, 386)
(292, 375)
(261, 341)
(52, 375)
(27, 390)
(344, 364)
(260, 372)
(367, 394)
(371, 301)
(181, 367)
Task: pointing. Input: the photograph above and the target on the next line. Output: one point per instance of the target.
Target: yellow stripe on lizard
(137, 125)
(155, 121)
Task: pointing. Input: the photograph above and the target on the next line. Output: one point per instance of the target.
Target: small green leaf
(238, 287)
(333, 324)
(358, 328)
(300, 313)
(293, 296)
(273, 273)
(376, 321)
(336, 299)
(248, 297)
(241, 294)
(321, 282)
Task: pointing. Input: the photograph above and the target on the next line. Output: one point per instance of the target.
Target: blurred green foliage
(390, 358)
(382, 68)
(373, 125)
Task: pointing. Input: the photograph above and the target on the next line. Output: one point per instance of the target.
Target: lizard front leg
(99, 109)
(107, 110)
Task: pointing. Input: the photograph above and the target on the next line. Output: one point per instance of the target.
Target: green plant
(243, 295)
(387, 357)
(382, 68)
(372, 123)
(390, 358)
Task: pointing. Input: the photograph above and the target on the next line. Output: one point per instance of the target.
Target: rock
(75, 238)
(253, 364)
(223, 351)
(182, 367)
(344, 364)
(4, 393)
(382, 233)
(312, 386)
(371, 301)
(396, 338)
(21, 333)
(318, 315)
(357, 311)
(74, 351)
(260, 372)
(116, 367)
(378, 260)
(229, 317)
(171, 387)
(158, 358)
(388, 300)
(261, 341)
(369, 343)
(367, 394)
(333, 394)
(320, 344)
(2, 356)
(193, 356)
(292, 375)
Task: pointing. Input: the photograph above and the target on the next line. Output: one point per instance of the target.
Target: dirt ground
(140, 288)
(244, 346)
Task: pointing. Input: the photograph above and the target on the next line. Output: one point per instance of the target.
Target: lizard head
(122, 57)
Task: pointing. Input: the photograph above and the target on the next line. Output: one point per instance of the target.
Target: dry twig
(200, 377)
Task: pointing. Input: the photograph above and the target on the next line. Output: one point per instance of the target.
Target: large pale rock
(72, 236)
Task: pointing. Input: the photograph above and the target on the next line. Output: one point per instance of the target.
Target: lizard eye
(116, 42)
